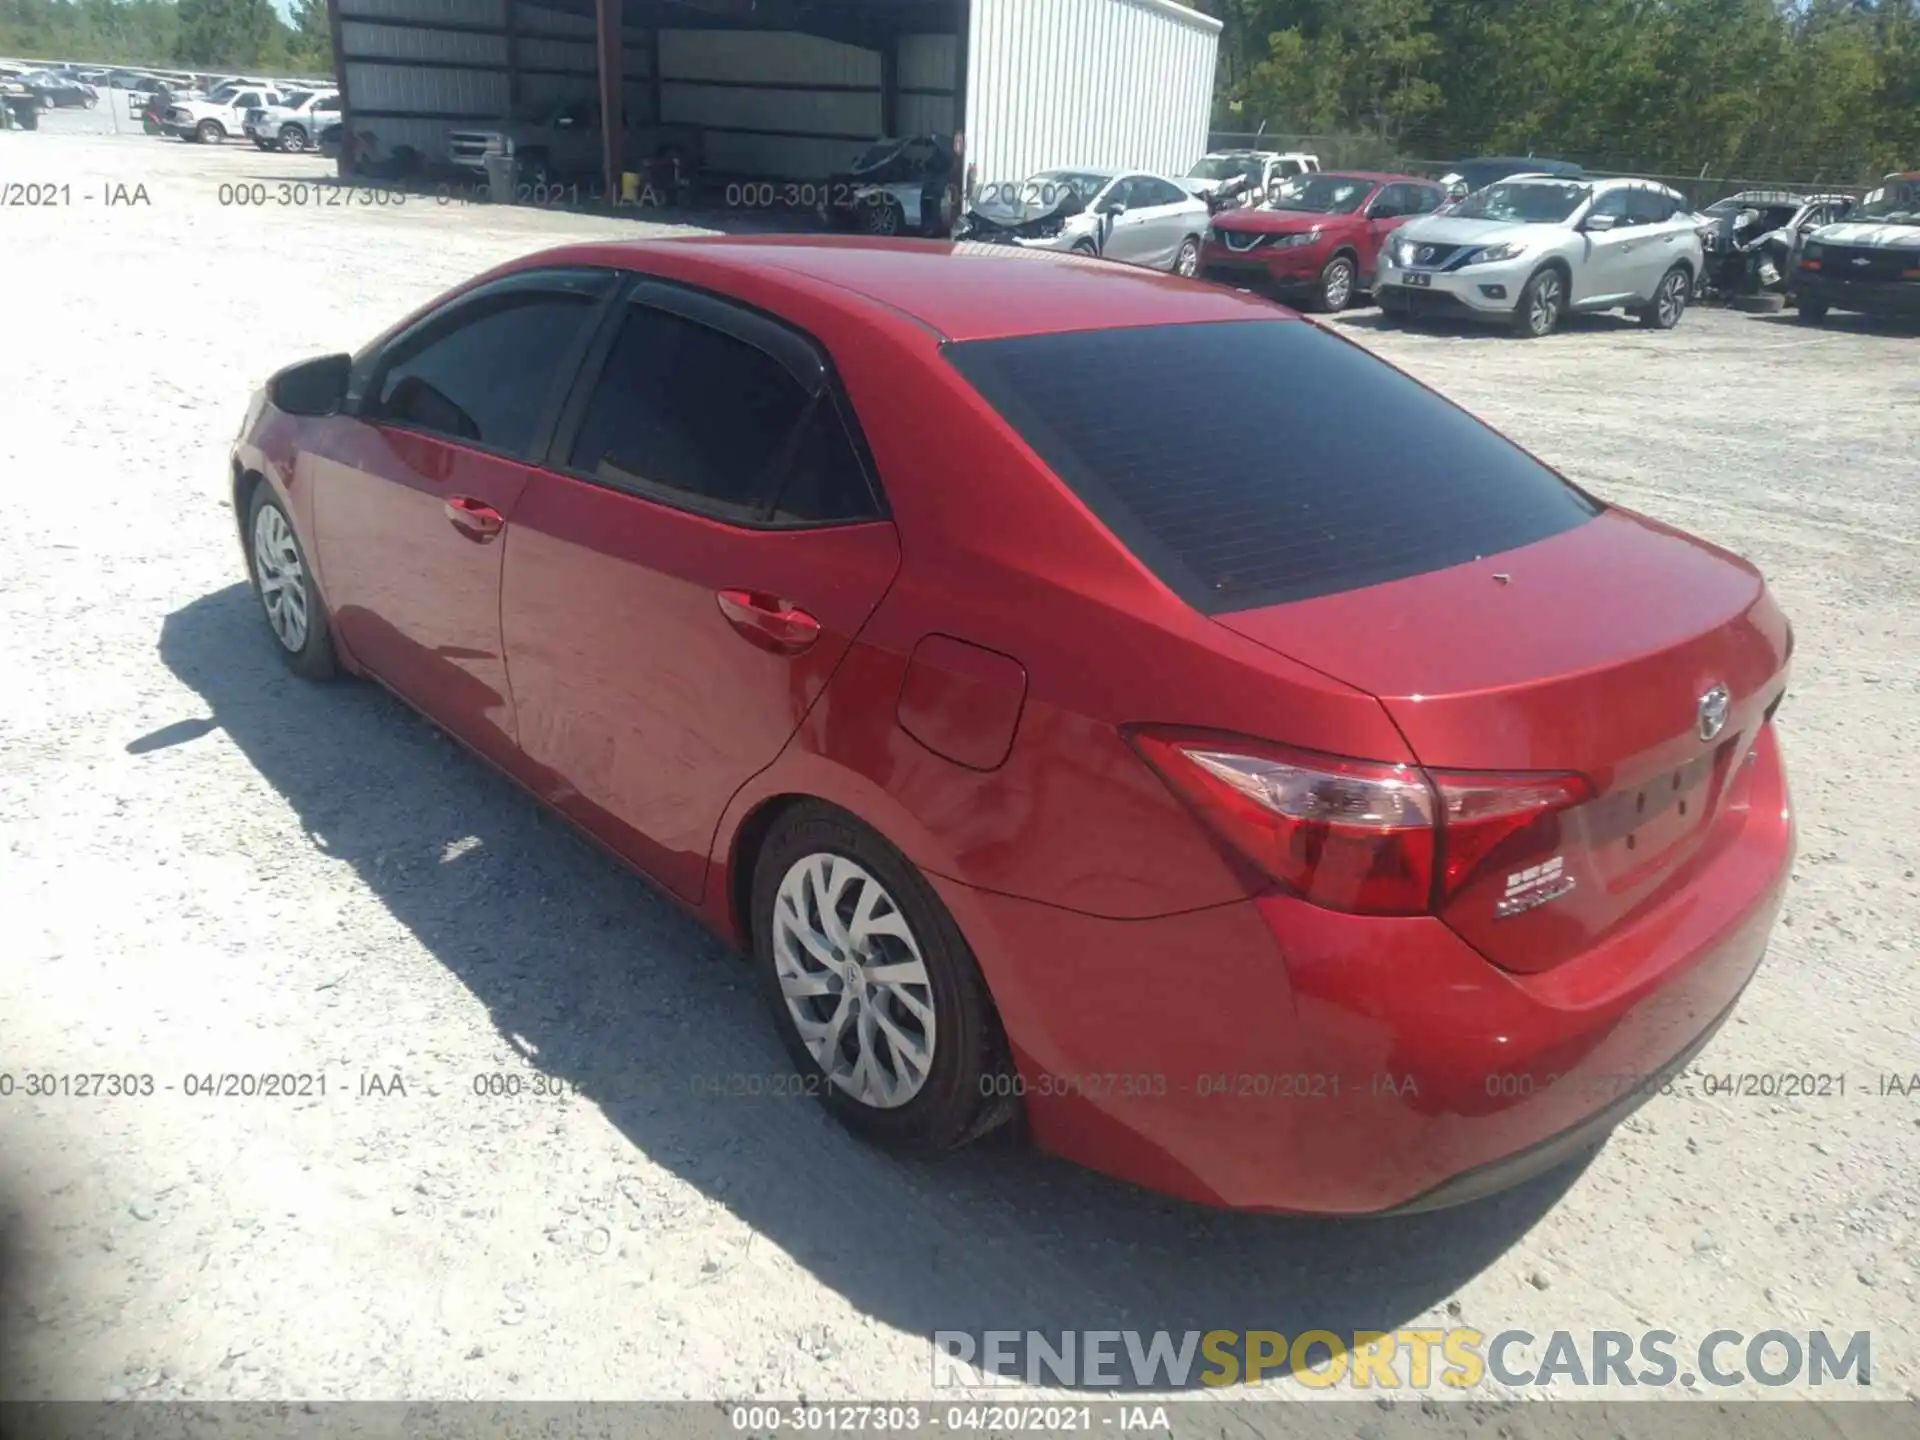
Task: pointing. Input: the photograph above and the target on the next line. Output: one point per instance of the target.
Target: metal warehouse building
(794, 88)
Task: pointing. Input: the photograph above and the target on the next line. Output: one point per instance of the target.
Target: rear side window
(1251, 463)
(690, 415)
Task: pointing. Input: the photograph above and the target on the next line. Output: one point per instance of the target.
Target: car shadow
(1376, 320)
(618, 992)
(1844, 322)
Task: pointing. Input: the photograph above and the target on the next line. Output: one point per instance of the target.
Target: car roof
(958, 290)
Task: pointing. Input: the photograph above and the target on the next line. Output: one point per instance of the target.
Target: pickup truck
(562, 143)
(217, 115)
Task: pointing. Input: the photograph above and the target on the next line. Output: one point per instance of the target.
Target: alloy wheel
(1672, 300)
(1188, 261)
(1338, 285)
(854, 980)
(883, 218)
(282, 578)
(1545, 309)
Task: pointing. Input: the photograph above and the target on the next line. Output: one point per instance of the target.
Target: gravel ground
(210, 867)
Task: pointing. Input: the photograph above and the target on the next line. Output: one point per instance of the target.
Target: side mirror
(1600, 223)
(313, 387)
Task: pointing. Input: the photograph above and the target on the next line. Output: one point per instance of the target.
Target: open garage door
(783, 90)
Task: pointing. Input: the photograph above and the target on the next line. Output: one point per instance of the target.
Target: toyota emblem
(1711, 717)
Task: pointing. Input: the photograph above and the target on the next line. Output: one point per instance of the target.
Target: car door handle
(477, 521)
(773, 624)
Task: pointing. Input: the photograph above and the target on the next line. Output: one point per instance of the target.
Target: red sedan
(1095, 699)
(1318, 239)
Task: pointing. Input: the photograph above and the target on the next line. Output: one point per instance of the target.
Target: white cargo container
(793, 90)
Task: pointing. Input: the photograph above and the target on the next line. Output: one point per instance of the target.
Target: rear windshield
(1251, 463)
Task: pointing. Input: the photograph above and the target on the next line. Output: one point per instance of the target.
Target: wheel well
(1348, 251)
(747, 841)
(1556, 263)
(245, 482)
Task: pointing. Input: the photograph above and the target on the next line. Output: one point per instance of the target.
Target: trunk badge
(1711, 717)
(1533, 887)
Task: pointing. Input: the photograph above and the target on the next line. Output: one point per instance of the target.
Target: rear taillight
(1356, 835)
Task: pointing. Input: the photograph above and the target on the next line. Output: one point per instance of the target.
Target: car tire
(90, 102)
(283, 584)
(1812, 311)
(209, 132)
(1187, 262)
(292, 139)
(1333, 291)
(818, 870)
(1669, 301)
(882, 216)
(266, 144)
(1543, 301)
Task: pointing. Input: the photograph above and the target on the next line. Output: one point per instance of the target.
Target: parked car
(21, 106)
(56, 92)
(1752, 240)
(1025, 692)
(1869, 262)
(1467, 176)
(332, 139)
(219, 115)
(295, 123)
(1128, 216)
(1318, 239)
(562, 143)
(895, 187)
(1232, 177)
(1526, 252)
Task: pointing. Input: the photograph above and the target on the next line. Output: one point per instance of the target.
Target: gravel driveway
(207, 867)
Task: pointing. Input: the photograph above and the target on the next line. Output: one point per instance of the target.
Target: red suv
(1318, 238)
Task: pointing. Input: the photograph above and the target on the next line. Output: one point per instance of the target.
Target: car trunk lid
(1602, 651)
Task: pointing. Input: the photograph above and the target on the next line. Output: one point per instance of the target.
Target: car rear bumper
(1271, 1055)
(1869, 297)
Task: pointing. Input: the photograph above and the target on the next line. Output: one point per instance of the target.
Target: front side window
(486, 380)
(1613, 203)
(1647, 206)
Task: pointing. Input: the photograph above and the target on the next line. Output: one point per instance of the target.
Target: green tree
(227, 32)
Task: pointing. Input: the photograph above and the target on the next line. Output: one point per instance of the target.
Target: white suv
(295, 123)
(1529, 249)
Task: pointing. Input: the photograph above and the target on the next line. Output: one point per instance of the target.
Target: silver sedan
(1129, 216)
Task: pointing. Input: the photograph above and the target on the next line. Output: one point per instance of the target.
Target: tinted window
(1422, 199)
(689, 413)
(487, 380)
(824, 480)
(1255, 462)
(1147, 190)
(1652, 207)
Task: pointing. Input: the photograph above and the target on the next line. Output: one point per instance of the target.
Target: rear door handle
(775, 625)
(474, 519)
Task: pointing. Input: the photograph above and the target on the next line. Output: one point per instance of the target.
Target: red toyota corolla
(1318, 240)
(1094, 698)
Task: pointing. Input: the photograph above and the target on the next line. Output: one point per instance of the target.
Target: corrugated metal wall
(1123, 83)
(459, 75)
(752, 93)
